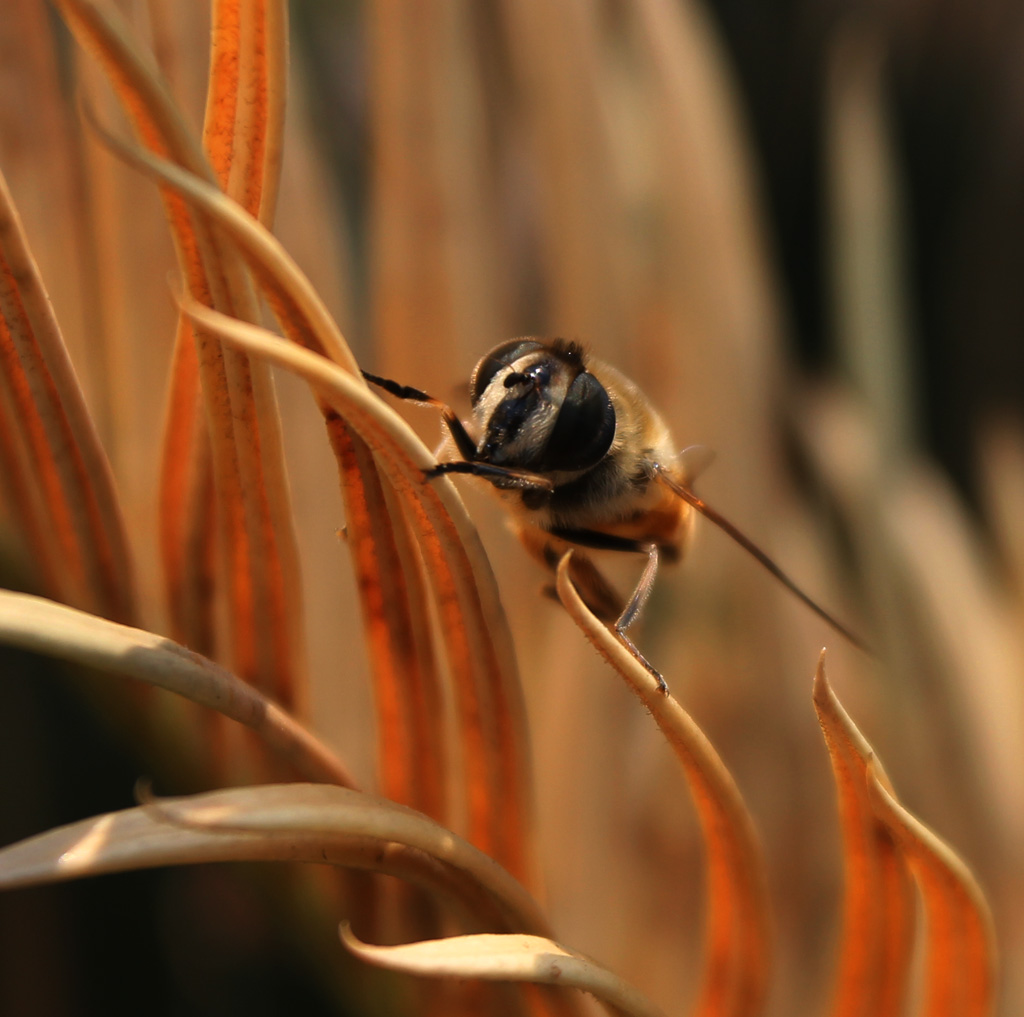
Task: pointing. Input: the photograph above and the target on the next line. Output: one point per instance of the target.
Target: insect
(583, 461)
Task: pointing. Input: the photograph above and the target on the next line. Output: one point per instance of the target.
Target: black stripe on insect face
(501, 356)
(526, 399)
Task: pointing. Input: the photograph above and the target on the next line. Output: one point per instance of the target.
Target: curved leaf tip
(509, 957)
(884, 846)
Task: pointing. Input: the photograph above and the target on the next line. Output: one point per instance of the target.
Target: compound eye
(585, 427)
(501, 356)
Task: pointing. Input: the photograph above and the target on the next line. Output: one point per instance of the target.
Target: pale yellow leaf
(515, 958)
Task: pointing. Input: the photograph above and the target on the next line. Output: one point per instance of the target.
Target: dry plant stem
(24, 502)
(427, 698)
(488, 698)
(506, 958)
(244, 114)
(136, 79)
(244, 120)
(248, 54)
(555, 54)
(86, 547)
(738, 950)
(157, 121)
(188, 548)
(187, 503)
(281, 822)
(404, 759)
(410, 724)
(878, 904)
(307, 322)
(272, 44)
(258, 543)
(42, 626)
(429, 188)
(960, 938)
(258, 546)
(302, 313)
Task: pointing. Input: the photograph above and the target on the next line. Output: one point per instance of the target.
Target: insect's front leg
(463, 441)
(499, 476)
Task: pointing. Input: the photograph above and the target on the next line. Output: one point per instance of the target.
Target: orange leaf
(481, 660)
(248, 53)
(59, 477)
(738, 949)
(878, 906)
(410, 721)
(410, 751)
(259, 564)
(959, 938)
(882, 842)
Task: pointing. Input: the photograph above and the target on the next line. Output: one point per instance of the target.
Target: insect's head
(539, 407)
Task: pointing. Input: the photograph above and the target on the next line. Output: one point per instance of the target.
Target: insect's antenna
(751, 548)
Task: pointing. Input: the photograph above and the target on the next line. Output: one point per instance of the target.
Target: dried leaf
(514, 958)
(480, 656)
(58, 474)
(738, 949)
(882, 840)
(249, 53)
(279, 822)
(411, 763)
(245, 101)
(960, 945)
(299, 308)
(410, 720)
(878, 905)
(258, 552)
(430, 190)
(42, 626)
(867, 245)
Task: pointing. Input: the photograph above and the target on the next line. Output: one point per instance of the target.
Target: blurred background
(798, 226)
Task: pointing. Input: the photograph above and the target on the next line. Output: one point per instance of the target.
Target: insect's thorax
(621, 495)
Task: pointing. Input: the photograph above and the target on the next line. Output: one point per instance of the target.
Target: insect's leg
(400, 391)
(633, 608)
(642, 591)
(500, 476)
(599, 541)
(463, 442)
(590, 578)
(597, 593)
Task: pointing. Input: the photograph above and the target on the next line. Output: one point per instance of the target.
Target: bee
(584, 462)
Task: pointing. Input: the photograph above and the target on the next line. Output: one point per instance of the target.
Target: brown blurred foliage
(797, 226)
